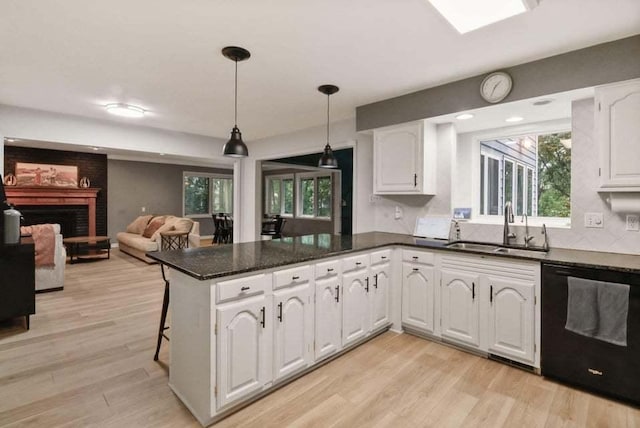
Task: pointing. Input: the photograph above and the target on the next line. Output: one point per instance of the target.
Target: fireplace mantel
(22, 196)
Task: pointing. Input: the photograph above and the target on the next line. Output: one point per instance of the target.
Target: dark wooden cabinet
(17, 280)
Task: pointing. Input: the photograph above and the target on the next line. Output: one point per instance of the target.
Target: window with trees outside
(205, 194)
(314, 195)
(279, 195)
(531, 171)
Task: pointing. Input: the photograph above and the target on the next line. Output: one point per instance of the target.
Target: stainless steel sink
(474, 246)
(497, 249)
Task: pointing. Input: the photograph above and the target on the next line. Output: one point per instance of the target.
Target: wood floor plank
(87, 361)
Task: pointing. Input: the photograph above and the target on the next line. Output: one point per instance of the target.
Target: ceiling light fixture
(125, 110)
(464, 116)
(235, 147)
(469, 15)
(514, 119)
(328, 160)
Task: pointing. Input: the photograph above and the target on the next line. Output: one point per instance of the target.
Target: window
(279, 195)
(533, 172)
(314, 195)
(205, 194)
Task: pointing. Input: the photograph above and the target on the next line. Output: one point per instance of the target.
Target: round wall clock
(496, 86)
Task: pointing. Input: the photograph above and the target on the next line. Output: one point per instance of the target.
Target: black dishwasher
(584, 361)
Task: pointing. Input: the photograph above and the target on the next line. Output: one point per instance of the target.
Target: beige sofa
(143, 234)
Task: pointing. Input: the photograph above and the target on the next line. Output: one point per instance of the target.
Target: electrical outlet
(398, 214)
(593, 220)
(633, 222)
(373, 198)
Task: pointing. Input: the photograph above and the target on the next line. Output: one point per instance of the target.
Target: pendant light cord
(328, 119)
(236, 95)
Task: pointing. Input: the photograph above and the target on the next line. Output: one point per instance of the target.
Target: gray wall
(596, 65)
(155, 186)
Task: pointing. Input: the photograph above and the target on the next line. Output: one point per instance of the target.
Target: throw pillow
(183, 225)
(153, 225)
(138, 225)
(169, 221)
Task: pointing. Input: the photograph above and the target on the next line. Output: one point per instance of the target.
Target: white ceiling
(74, 56)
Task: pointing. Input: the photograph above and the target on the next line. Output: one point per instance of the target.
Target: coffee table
(100, 244)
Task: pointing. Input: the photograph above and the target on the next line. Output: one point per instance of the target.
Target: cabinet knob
(244, 288)
(295, 278)
(329, 269)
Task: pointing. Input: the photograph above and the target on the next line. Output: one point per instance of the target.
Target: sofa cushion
(153, 225)
(137, 241)
(183, 224)
(169, 221)
(138, 225)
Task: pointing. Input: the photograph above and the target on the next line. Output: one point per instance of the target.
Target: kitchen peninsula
(249, 317)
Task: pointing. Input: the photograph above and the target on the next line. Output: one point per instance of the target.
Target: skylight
(469, 15)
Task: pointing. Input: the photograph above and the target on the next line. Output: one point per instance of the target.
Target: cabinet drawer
(288, 277)
(355, 263)
(418, 257)
(382, 256)
(328, 269)
(242, 287)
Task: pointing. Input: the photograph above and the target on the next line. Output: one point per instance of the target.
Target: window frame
(209, 176)
(268, 195)
(535, 129)
(299, 196)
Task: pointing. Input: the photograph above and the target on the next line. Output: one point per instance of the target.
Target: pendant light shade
(235, 147)
(328, 160)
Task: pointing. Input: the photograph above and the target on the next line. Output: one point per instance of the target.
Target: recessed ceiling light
(125, 110)
(464, 116)
(543, 102)
(514, 119)
(469, 15)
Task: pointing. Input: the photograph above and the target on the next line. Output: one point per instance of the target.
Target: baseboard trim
(48, 290)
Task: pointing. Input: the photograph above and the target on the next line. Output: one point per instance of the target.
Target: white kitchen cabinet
(511, 318)
(460, 307)
(618, 132)
(244, 348)
(379, 291)
(328, 326)
(356, 312)
(404, 159)
(418, 297)
(293, 311)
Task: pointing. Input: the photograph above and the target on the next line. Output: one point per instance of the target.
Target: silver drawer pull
(244, 288)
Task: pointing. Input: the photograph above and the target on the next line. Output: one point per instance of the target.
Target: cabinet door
(618, 130)
(328, 317)
(244, 336)
(460, 307)
(293, 330)
(379, 295)
(511, 319)
(398, 159)
(355, 307)
(418, 303)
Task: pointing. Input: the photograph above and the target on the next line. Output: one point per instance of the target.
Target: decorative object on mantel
(235, 147)
(328, 160)
(36, 174)
(85, 183)
(10, 180)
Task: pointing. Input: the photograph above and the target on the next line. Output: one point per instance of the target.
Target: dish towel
(598, 309)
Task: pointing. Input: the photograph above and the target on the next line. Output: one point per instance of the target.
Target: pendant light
(235, 147)
(328, 160)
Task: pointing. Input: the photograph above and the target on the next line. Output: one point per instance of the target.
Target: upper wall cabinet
(617, 121)
(404, 158)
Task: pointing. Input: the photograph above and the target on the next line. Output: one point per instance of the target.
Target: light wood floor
(87, 361)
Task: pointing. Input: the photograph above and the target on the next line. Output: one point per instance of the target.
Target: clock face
(495, 87)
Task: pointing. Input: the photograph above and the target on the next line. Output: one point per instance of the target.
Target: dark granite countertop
(213, 262)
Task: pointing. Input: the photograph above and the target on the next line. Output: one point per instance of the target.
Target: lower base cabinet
(292, 330)
(355, 306)
(244, 339)
(328, 325)
(460, 306)
(418, 297)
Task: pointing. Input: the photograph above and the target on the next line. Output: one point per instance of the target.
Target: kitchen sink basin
(474, 246)
(497, 249)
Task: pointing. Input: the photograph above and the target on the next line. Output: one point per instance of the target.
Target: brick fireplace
(74, 209)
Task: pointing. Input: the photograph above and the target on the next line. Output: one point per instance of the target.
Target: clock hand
(494, 88)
